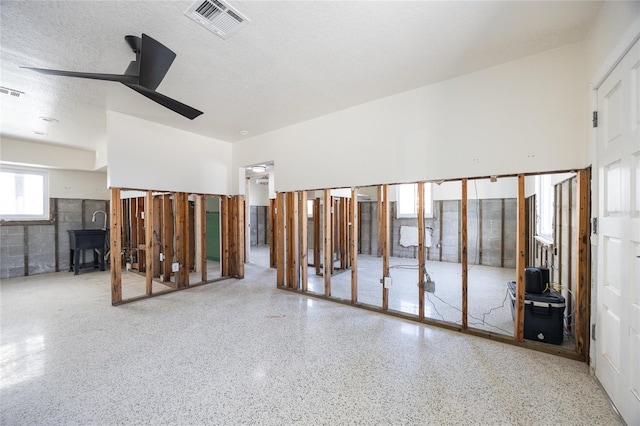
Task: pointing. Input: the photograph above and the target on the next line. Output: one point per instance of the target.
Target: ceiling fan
(153, 60)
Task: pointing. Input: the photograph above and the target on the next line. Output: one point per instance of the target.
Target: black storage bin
(543, 315)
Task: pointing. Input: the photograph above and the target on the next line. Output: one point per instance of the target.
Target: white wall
(78, 184)
(146, 155)
(32, 154)
(258, 194)
(523, 116)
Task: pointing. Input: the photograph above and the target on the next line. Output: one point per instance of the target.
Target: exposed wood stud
(116, 260)
(583, 260)
(186, 244)
(354, 243)
(239, 235)
(317, 243)
(149, 261)
(502, 233)
(479, 231)
(384, 208)
(201, 236)
(54, 207)
(328, 246)
(224, 236)
(273, 241)
(280, 238)
(421, 265)
(440, 223)
(304, 241)
(380, 224)
(520, 261)
(464, 249)
(167, 236)
(25, 249)
(292, 276)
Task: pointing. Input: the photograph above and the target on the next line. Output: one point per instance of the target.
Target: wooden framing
(421, 265)
(280, 239)
(273, 241)
(465, 254)
(317, 261)
(583, 260)
(224, 234)
(520, 262)
(304, 241)
(149, 218)
(167, 237)
(238, 233)
(116, 248)
(201, 236)
(353, 243)
(328, 246)
(292, 220)
(383, 230)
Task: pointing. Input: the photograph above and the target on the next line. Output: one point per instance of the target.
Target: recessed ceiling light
(244, 132)
(49, 119)
(258, 169)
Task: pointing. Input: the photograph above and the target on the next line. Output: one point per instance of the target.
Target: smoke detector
(217, 16)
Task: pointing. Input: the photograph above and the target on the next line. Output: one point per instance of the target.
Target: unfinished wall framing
(361, 235)
(163, 238)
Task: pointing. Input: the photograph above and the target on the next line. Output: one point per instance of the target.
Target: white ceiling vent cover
(217, 16)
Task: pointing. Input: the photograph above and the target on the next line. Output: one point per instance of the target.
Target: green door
(213, 236)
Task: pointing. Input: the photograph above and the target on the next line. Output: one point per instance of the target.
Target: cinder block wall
(41, 247)
(491, 236)
(259, 220)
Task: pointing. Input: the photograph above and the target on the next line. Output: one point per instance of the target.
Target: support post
(148, 237)
(421, 266)
(239, 235)
(583, 261)
(116, 247)
(383, 207)
(224, 236)
(304, 241)
(280, 241)
(520, 262)
(328, 247)
(465, 254)
(353, 243)
(317, 261)
(292, 240)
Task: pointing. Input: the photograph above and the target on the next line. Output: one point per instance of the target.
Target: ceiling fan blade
(155, 61)
(165, 101)
(132, 79)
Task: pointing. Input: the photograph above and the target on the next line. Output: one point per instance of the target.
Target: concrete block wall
(259, 220)
(41, 247)
(445, 230)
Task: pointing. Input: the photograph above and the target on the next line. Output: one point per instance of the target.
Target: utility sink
(86, 239)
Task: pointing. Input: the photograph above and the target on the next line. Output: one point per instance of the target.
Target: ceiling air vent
(217, 16)
(10, 92)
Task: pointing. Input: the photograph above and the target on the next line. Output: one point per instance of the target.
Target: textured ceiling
(293, 62)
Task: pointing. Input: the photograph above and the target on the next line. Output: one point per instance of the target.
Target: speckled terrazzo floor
(243, 352)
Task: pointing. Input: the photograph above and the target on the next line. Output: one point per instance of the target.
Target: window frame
(428, 201)
(46, 203)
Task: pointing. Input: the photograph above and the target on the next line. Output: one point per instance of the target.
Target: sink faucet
(93, 218)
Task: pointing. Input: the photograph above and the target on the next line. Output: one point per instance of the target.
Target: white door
(618, 271)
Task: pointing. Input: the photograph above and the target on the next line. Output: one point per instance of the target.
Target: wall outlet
(161, 257)
(175, 267)
(387, 282)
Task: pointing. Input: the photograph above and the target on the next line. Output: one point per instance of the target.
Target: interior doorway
(258, 192)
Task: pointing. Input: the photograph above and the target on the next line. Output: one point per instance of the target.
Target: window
(24, 194)
(544, 206)
(407, 200)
